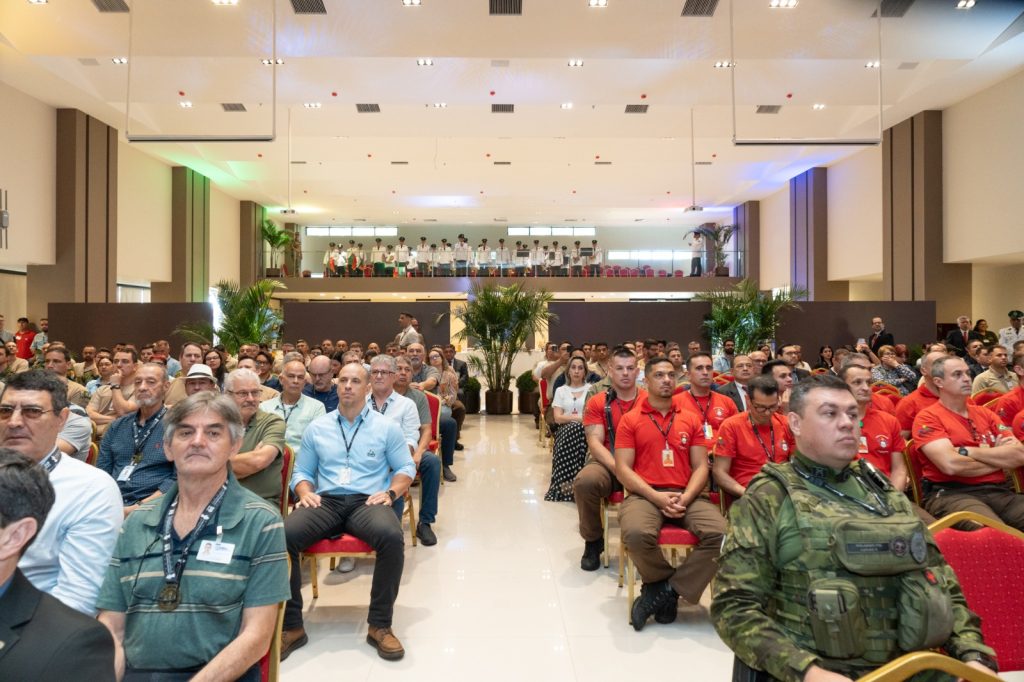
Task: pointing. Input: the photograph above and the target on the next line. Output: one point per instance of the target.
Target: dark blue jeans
(447, 431)
(430, 483)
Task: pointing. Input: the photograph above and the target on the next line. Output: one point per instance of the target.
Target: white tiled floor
(501, 595)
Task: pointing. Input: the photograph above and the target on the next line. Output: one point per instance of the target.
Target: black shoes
(459, 446)
(591, 560)
(448, 474)
(426, 535)
(667, 613)
(655, 598)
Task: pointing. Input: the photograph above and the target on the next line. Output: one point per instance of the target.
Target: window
(386, 231)
(618, 255)
(540, 231)
(518, 232)
(362, 231)
(584, 231)
(561, 231)
(312, 231)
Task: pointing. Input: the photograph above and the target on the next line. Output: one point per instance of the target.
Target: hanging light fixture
(694, 206)
(289, 210)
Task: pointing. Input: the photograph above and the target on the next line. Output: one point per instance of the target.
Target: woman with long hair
(214, 359)
(824, 358)
(570, 446)
(448, 390)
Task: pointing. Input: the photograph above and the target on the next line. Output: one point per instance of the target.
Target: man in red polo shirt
(923, 396)
(1013, 402)
(880, 440)
(23, 338)
(748, 440)
(661, 459)
(710, 408)
(1018, 426)
(596, 480)
(966, 448)
(878, 401)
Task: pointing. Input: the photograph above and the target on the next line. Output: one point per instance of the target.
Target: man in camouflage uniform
(826, 573)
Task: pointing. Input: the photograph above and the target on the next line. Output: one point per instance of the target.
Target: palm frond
(246, 315)
(746, 314)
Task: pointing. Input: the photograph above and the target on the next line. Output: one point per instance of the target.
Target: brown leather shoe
(291, 640)
(387, 645)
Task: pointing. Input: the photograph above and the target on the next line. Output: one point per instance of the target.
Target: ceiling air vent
(570, 220)
(503, 108)
(359, 220)
(602, 163)
(233, 106)
(769, 108)
(702, 163)
(309, 7)
(298, 163)
(502, 163)
(699, 8)
(894, 9)
(430, 220)
(499, 63)
(111, 5)
(399, 163)
(636, 108)
(368, 108)
(88, 61)
(908, 66)
(502, 8)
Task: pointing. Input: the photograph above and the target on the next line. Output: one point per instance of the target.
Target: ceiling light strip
(202, 138)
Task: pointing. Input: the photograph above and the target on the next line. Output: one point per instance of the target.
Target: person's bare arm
(898, 472)
(246, 464)
(720, 469)
(950, 462)
(698, 474)
(552, 367)
(122, 405)
(631, 481)
(422, 445)
(562, 418)
(595, 442)
(1007, 454)
(115, 621)
(248, 646)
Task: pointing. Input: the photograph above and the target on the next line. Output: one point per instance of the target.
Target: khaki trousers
(993, 501)
(641, 521)
(593, 483)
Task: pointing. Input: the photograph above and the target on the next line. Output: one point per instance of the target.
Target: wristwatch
(114, 386)
(391, 494)
(984, 659)
(963, 451)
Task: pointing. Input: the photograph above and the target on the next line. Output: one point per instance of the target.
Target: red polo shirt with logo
(714, 409)
(646, 430)
(880, 437)
(738, 441)
(980, 428)
(593, 414)
(1018, 426)
(1010, 405)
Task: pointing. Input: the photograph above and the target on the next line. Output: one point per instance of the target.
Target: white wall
(224, 220)
(855, 216)
(983, 144)
(143, 217)
(13, 298)
(867, 290)
(28, 173)
(996, 290)
(775, 240)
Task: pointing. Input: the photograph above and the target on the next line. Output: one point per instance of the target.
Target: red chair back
(94, 453)
(287, 467)
(544, 402)
(987, 563)
(435, 416)
(982, 397)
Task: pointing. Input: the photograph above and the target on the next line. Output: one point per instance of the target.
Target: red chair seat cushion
(616, 497)
(672, 535)
(990, 567)
(346, 543)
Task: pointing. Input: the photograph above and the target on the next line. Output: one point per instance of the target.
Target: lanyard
(170, 596)
(703, 410)
(668, 426)
(140, 439)
(348, 443)
(771, 433)
(382, 409)
(51, 461)
(883, 508)
(288, 413)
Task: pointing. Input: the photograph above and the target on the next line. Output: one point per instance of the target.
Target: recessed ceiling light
(225, 3)
(575, 63)
(424, 61)
(119, 60)
(411, 3)
(567, 105)
(782, 4)
(440, 105)
(597, 3)
(312, 105)
(873, 64)
(724, 65)
(271, 62)
(185, 104)
(964, 4)
(37, 2)
(819, 107)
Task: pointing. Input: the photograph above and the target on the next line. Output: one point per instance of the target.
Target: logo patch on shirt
(372, 454)
(785, 446)
(684, 438)
(883, 442)
(719, 412)
(924, 431)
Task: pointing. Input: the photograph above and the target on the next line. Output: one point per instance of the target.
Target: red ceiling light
(181, 93)
(369, 156)
(643, 96)
(492, 93)
(598, 156)
(260, 156)
(789, 95)
(574, 191)
(334, 94)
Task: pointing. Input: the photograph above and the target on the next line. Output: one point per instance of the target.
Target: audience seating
(908, 665)
(270, 664)
(988, 565)
(434, 402)
(987, 396)
(543, 404)
(913, 464)
(94, 453)
(671, 539)
(611, 502)
(334, 548)
(287, 469)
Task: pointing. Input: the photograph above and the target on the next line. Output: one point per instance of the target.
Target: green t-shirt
(268, 429)
(213, 594)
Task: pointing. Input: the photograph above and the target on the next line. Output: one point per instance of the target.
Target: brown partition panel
(838, 323)
(104, 324)
(362, 321)
(580, 322)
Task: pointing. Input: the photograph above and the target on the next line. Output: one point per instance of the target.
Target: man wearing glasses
(322, 388)
(748, 440)
(258, 463)
(71, 551)
(295, 409)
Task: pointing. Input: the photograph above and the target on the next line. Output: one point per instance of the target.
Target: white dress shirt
(296, 417)
(402, 411)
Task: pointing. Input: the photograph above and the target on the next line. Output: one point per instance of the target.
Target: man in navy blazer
(879, 337)
(40, 638)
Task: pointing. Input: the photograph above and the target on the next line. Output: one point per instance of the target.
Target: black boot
(667, 613)
(591, 560)
(652, 600)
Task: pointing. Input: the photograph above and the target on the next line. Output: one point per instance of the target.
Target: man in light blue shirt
(723, 363)
(384, 399)
(298, 411)
(352, 465)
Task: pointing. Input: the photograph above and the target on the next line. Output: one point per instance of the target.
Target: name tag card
(215, 552)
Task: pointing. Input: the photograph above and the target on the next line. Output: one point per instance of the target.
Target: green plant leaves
(246, 316)
(746, 314)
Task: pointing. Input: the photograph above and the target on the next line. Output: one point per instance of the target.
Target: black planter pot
(722, 271)
(528, 402)
(472, 402)
(498, 402)
(273, 272)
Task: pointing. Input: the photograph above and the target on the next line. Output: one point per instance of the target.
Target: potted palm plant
(500, 320)
(246, 317)
(278, 241)
(746, 314)
(471, 397)
(719, 237)
(528, 396)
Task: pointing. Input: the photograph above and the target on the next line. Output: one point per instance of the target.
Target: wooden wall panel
(362, 321)
(838, 323)
(104, 324)
(580, 322)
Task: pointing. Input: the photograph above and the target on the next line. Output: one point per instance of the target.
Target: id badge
(668, 457)
(215, 552)
(346, 476)
(126, 473)
(862, 449)
(708, 433)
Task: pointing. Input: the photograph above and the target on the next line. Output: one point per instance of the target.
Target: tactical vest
(861, 592)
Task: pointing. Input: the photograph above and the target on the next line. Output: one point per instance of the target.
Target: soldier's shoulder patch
(924, 430)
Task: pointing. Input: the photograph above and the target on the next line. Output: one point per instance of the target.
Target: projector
(695, 207)
(287, 211)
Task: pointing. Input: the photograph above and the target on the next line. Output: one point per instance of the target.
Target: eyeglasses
(764, 408)
(256, 393)
(380, 372)
(28, 412)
